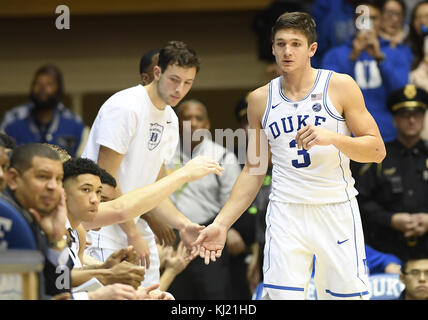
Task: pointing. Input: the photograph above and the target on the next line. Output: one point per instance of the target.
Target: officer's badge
(410, 91)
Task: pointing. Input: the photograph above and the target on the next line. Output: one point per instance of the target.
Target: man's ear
(157, 72)
(12, 177)
(312, 49)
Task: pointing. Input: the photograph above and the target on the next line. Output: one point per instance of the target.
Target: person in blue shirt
(44, 119)
(381, 262)
(335, 21)
(376, 66)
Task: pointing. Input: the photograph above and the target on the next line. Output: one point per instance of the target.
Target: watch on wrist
(60, 244)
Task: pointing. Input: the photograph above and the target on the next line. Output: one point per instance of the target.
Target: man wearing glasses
(414, 275)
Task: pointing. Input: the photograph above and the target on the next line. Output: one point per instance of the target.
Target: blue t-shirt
(65, 130)
(376, 80)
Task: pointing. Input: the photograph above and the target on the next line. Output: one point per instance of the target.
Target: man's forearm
(243, 193)
(136, 202)
(362, 149)
(80, 276)
(169, 213)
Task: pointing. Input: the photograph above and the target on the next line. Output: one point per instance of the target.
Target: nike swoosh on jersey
(340, 242)
(273, 107)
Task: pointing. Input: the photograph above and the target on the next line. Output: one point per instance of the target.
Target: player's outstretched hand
(211, 242)
(189, 233)
(200, 166)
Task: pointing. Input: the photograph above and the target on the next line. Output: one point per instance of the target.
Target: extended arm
(212, 239)
(141, 200)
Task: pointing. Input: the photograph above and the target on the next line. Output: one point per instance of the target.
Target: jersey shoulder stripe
(329, 111)
(268, 106)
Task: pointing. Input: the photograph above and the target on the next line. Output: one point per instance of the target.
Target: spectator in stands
(415, 278)
(379, 262)
(201, 200)
(44, 118)
(377, 68)
(417, 32)
(392, 194)
(418, 41)
(335, 25)
(392, 21)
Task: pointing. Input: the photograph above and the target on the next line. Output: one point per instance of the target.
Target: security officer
(393, 195)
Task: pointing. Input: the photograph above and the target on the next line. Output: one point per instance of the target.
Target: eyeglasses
(391, 13)
(416, 273)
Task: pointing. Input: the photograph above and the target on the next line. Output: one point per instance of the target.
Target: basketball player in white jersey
(304, 118)
(135, 131)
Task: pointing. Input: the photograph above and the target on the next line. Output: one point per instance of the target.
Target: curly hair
(77, 166)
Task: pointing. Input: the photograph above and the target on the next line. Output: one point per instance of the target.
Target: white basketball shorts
(331, 232)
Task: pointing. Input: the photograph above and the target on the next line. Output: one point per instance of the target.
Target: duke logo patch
(316, 107)
(155, 135)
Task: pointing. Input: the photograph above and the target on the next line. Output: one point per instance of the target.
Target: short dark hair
(107, 178)
(77, 166)
(147, 59)
(177, 52)
(55, 72)
(378, 4)
(7, 141)
(22, 156)
(412, 255)
(301, 21)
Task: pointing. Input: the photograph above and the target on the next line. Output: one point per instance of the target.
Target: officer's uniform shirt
(398, 184)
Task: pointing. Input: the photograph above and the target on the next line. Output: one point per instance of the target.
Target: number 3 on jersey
(302, 152)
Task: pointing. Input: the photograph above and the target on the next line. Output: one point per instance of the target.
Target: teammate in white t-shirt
(303, 120)
(135, 131)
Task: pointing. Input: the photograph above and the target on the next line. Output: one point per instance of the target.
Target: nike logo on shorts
(340, 242)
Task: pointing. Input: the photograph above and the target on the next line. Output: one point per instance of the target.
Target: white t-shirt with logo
(130, 124)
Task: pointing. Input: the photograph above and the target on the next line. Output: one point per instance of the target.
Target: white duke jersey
(317, 176)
